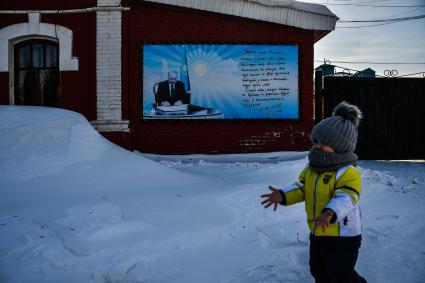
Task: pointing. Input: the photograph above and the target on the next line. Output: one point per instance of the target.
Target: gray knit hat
(340, 130)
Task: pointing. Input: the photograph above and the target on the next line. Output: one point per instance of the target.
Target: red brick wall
(161, 23)
(4, 88)
(7, 20)
(78, 88)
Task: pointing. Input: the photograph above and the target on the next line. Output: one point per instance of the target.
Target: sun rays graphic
(214, 78)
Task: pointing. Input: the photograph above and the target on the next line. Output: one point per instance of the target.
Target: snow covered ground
(76, 208)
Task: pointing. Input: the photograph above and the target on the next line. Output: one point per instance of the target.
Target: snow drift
(45, 140)
(77, 208)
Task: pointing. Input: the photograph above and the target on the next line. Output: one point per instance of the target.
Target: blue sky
(396, 42)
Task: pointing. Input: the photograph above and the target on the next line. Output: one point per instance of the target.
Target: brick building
(92, 57)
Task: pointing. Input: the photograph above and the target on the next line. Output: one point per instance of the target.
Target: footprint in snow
(271, 238)
(373, 235)
(274, 273)
(386, 217)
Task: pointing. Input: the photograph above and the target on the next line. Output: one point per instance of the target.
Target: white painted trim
(13, 34)
(111, 125)
(34, 22)
(108, 3)
(64, 36)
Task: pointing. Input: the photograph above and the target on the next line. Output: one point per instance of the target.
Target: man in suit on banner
(171, 91)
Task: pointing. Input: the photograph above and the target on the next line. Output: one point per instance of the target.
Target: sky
(400, 42)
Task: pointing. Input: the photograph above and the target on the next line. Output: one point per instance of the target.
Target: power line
(373, 63)
(402, 13)
(384, 20)
(368, 4)
(376, 75)
(371, 25)
(407, 75)
(388, 17)
(375, 6)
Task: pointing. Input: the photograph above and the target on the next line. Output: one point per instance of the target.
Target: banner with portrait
(220, 81)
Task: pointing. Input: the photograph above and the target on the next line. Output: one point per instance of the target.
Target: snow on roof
(302, 6)
(286, 12)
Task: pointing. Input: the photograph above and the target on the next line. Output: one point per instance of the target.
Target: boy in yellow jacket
(330, 186)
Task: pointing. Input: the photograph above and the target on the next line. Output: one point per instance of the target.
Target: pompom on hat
(340, 130)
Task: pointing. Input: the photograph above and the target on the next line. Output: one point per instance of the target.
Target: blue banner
(220, 81)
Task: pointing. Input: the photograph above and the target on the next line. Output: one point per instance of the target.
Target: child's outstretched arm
(274, 198)
(288, 196)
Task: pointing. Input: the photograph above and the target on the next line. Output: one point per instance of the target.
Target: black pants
(332, 259)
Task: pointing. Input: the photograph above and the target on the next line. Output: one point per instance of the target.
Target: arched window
(37, 73)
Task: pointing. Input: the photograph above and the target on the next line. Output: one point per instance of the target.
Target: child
(330, 186)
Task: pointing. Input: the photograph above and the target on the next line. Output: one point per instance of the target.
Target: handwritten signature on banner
(263, 75)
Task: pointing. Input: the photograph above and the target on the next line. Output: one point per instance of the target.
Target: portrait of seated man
(171, 92)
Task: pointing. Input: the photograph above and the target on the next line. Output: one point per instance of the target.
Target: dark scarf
(324, 161)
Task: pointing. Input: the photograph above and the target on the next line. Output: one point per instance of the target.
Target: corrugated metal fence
(394, 113)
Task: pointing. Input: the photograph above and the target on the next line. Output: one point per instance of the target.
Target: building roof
(286, 12)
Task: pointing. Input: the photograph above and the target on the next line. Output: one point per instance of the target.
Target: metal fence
(394, 113)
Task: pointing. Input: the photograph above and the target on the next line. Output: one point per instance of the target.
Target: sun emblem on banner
(200, 70)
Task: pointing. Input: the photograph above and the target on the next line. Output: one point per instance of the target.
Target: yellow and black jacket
(337, 190)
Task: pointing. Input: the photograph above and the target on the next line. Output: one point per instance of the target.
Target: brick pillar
(108, 68)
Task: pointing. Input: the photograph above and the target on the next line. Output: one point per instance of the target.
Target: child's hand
(323, 220)
(274, 198)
